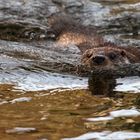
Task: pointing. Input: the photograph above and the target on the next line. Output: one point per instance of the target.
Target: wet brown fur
(67, 31)
(121, 55)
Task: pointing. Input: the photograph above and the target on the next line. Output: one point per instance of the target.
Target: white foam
(22, 99)
(100, 118)
(3, 102)
(125, 113)
(129, 84)
(106, 135)
(117, 113)
(43, 81)
(20, 130)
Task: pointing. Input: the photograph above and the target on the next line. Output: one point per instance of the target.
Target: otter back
(68, 31)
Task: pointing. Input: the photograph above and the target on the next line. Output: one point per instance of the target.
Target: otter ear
(83, 47)
(123, 53)
(88, 54)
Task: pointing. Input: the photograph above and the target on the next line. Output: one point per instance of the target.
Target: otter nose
(98, 59)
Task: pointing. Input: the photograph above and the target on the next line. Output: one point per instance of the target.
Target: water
(66, 113)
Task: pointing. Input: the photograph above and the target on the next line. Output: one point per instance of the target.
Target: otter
(66, 30)
(96, 52)
(110, 56)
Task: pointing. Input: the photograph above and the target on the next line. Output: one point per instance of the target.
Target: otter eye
(123, 53)
(112, 56)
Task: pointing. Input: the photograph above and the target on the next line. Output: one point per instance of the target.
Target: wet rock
(17, 30)
(110, 22)
(108, 17)
(34, 11)
(69, 3)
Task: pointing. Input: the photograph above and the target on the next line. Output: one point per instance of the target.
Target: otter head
(104, 57)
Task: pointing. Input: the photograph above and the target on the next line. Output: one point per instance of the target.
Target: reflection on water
(64, 114)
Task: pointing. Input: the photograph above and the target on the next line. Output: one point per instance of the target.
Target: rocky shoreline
(24, 25)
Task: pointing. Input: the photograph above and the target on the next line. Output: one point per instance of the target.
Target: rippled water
(61, 114)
